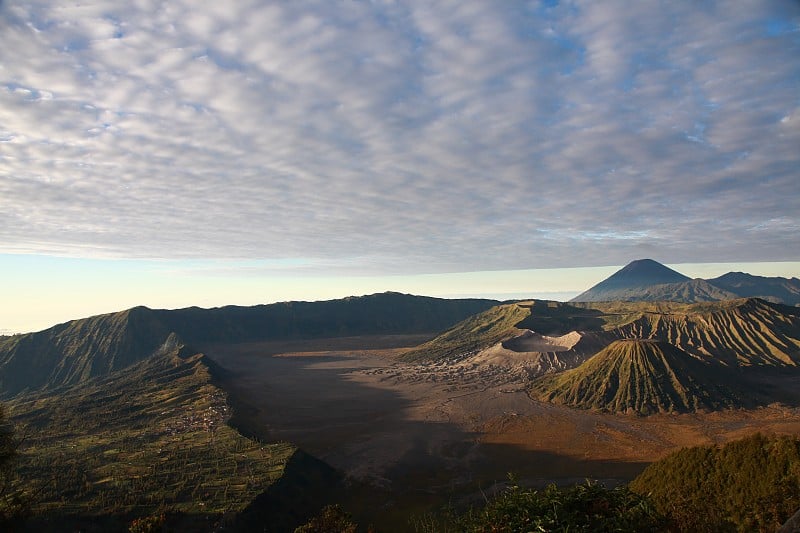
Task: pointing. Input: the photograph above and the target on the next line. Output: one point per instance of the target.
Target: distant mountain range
(73, 352)
(648, 280)
(732, 333)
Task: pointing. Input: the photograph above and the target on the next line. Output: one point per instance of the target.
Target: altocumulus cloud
(401, 136)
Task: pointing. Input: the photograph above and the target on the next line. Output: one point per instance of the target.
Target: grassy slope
(479, 331)
(690, 366)
(505, 321)
(150, 437)
(746, 332)
(639, 376)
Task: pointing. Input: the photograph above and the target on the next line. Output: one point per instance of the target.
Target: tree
(12, 501)
(332, 519)
(751, 484)
(586, 507)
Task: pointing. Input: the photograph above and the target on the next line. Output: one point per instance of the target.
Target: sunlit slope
(741, 332)
(484, 329)
(745, 332)
(752, 484)
(679, 357)
(641, 376)
(506, 322)
(152, 436)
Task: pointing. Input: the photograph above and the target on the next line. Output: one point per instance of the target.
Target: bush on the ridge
(587, 507)
(332, 519)
(752, 484)
(14, 504)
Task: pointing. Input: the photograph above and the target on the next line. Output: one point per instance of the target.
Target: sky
(175, 153)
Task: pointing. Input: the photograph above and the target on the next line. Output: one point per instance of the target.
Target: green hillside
(751, 484)
(506, 321)
(134, 443)
(484, 329)
(639, 376)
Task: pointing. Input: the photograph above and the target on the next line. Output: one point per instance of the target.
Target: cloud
(405, 137)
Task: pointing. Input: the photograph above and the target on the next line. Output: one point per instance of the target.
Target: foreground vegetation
(149, 441)
(166, 458)
(587, 507)
(751, 484)
(13, 506)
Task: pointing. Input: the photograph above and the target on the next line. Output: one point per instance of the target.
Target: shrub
(587, 507)
(332, 519)
(752, 484)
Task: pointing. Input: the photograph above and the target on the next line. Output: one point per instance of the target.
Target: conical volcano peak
(634, 276)
(646, 272)
(649, 280)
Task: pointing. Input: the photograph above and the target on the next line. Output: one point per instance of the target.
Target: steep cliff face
(73, 352)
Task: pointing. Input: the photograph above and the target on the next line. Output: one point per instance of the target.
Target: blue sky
(325, 142)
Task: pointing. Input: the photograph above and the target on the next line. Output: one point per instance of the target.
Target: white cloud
(411, 137)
